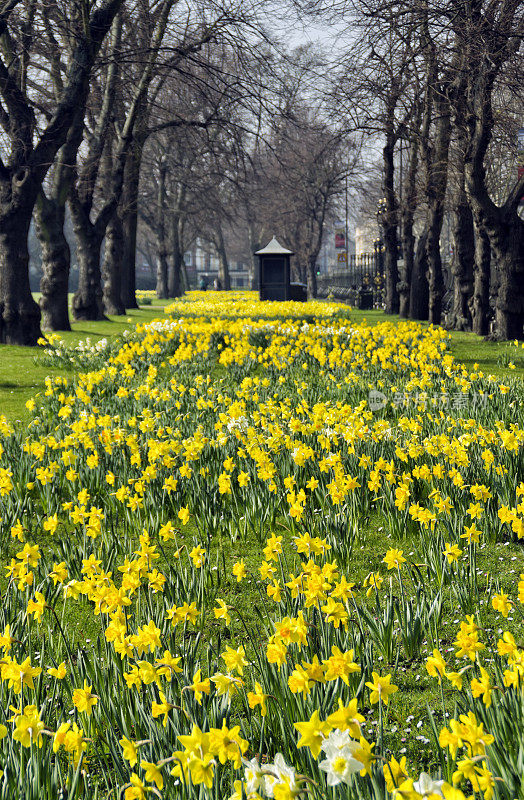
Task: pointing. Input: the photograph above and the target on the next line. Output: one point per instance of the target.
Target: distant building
(331, 258)
(366, 233)
(202, 260)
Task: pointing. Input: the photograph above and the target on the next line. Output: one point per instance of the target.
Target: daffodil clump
(229, 425)
(246, 305)
(145, 296)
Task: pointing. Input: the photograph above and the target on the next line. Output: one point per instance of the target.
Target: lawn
(468, 348)
(214, 549)
(22, 374)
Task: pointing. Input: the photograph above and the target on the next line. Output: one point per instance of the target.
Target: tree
(377, 88)
(161, 110)
(491, 35)
(197, 163)
(408, 205)
(89, 232)
(463, 260)
(303, 170)
(454, 63)
(49, 216)
(435, 139)
(33, 139)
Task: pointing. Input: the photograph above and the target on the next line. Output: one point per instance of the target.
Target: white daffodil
(426, 786)
(339, 766)
(280, 772)
(337, 740)
(253, 775)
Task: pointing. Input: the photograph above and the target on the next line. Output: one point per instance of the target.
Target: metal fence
(364, 274)
(361, 282)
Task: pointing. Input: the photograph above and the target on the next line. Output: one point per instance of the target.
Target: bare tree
(463, 258)
(32, 139)
(491, 35)
(408, 204)
(89, 232)
(302, 172)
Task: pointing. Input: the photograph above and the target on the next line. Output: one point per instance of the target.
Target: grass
(408, 713)
(468, 348)
(21, 376)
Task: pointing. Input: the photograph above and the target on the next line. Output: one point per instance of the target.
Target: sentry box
(274, 272)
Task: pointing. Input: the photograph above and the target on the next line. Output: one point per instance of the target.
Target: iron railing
(363, 275)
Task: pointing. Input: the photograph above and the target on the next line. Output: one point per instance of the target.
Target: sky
(297, 31)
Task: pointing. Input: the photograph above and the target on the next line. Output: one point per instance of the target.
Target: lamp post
(346, 225)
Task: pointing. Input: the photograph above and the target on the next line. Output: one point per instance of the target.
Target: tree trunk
(223, 266)
(177, 256)
(30, 157)
(56, 262)
(463, 262)
(507, 240)
(407, 214)
(130, 222)
(496, 46)
(480, 308)
(419, 294)
(112, 295)
(437, 169)
(87, 300)
(50, 212)
(19, 314)
(505, 230)
(185, 277)
(435, 275)
(312, 276)
(389, 219)
(173, 275)
(408, 252)
(161, 275)
(392, 300)
(254, 245)
(162, 286)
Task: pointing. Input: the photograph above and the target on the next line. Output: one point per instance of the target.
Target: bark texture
(480, 306)
(507, 238)
(389, 221)
(419, 293)
(223, 263)
(462, 266)
(130, 218)
(406, 228)
(312, 289)
(110, 149)
(56, 261)
(161, 276)
(28, 163)
(88, 299)
(489, 45)
(254, 245)
(161, 235)
(437, 172)
(112, 271)
(19, 314)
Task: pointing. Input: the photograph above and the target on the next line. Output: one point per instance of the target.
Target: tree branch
(76, 87)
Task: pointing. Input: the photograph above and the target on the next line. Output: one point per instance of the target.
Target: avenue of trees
(143, 125)
(440, 87)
